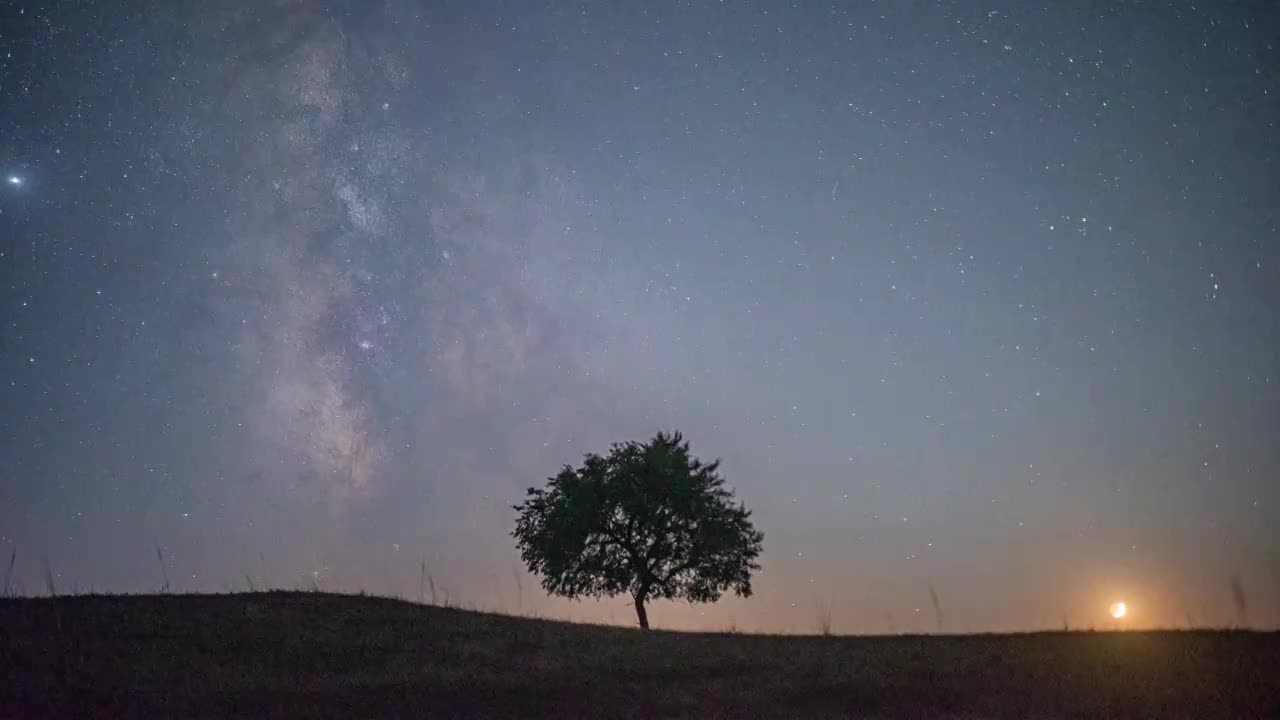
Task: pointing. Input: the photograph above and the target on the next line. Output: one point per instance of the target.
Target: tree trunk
(641, 614)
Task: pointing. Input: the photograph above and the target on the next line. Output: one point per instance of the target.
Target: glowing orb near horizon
(1118, 610)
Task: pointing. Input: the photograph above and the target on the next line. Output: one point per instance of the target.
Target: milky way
(375, 267)
(977, 304)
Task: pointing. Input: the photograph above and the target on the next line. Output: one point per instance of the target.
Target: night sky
(982, 297)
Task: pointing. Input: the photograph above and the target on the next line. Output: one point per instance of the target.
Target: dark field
(319, 655)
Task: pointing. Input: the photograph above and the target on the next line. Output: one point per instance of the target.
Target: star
(14, 180)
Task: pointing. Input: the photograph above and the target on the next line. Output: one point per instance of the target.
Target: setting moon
(1118, 610)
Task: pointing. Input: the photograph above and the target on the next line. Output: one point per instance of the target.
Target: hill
(319, 655)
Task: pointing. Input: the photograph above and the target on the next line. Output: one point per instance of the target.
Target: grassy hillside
(319, 655)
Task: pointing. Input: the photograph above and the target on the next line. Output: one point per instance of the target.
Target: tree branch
(687, 565)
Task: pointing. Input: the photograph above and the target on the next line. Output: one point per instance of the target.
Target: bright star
(14, 180)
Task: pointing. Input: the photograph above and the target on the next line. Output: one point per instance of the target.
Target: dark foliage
(649, 520)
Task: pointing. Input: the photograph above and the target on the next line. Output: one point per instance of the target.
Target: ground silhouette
(283, 655)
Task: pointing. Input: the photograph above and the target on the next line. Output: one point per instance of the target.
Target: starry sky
(975, 300)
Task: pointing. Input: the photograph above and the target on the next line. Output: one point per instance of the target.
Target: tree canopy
(648, 519)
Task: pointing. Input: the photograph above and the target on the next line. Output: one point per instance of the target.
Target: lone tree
(649, 520)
